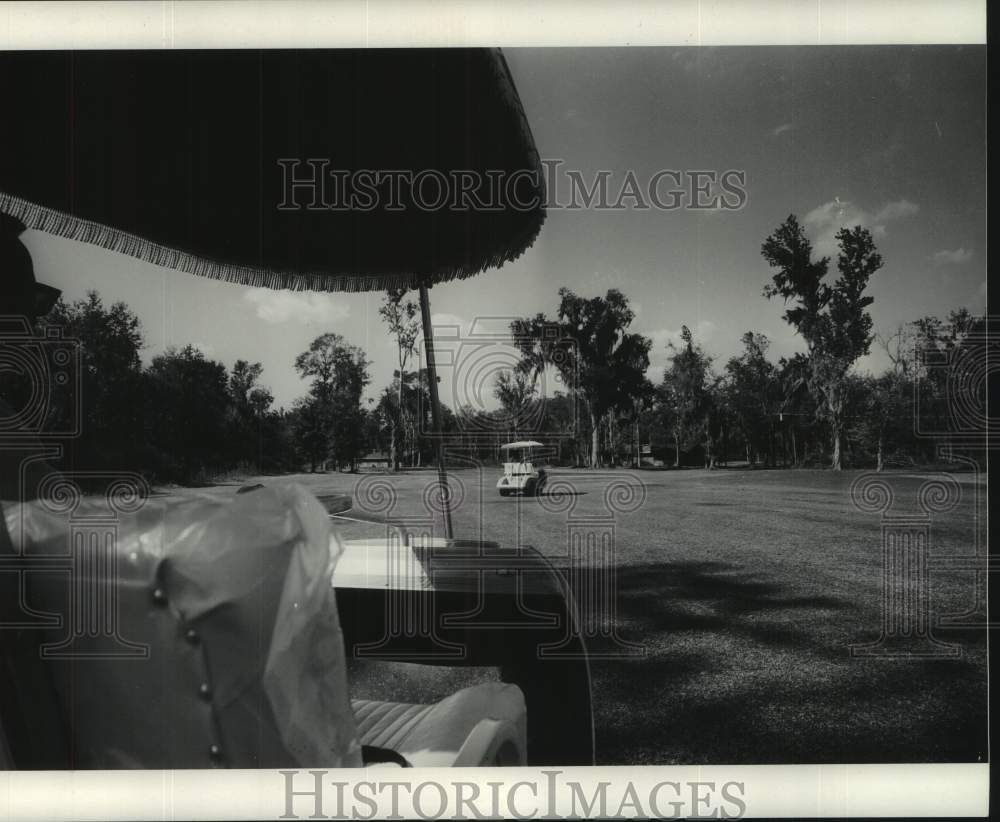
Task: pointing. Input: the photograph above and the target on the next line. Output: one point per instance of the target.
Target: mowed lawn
(747, 590)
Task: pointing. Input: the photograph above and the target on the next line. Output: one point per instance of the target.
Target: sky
(892, 138)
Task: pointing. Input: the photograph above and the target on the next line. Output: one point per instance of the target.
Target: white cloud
(659, 354)
(823, 222)
(782, 129)
(895, 210)
(303, 307)
(959, 256)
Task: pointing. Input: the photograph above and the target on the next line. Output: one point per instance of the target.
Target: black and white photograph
(502, 405)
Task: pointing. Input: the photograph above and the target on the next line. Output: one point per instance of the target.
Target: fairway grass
(747, 590)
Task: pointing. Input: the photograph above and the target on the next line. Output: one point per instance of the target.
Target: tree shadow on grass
(646, 713)
(712, 596)
(730, 678)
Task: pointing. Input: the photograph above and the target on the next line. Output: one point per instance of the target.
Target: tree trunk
(399, 408)
(677, 450)
(595, 441)
(879, 463)
(393, 462)
(835, 402)
(795, 449)
(836, 461)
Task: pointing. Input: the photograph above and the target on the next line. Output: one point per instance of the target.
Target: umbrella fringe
(501, 243)
(51, 221)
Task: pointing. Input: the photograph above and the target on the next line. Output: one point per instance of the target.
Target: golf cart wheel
(504, 492)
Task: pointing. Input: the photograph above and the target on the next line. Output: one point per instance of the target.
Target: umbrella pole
(425, 315)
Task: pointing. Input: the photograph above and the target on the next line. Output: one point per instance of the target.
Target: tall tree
(642, 403)
(310, 426)
(687, 393)
(187, 404)
(754, 395)
(591, 347)
(109, 404)
(515, 390)
(401, 317)
(832, 319)
(339, 373)
(797, 404)
(252, 422)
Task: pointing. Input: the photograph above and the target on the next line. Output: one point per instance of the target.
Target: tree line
(185, 417)
(809, 409)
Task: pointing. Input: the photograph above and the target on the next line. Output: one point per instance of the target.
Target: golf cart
(519, 472)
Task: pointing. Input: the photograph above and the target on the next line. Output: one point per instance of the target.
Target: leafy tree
(110, 400)
(797, 407)
(310, 426)
(515, 390)
(753, 394)
(832, 319)
(686, 395)
(401, 317)
(642, 402)
(251, 420)
(339, 373)
(591, 347)
(187, 403)
(249, 397)
(936, 349)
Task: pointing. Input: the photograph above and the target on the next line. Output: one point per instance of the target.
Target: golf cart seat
(484, 725)
(224, 649)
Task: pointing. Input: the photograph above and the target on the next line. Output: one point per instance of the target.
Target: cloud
(782, 129)
(303, 307)
(659, 354)
(823, 222)
(895, 210)
(960, 256)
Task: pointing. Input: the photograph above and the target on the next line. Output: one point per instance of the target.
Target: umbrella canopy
(328, 170)
(196, 160)
(332, 170)
(522, 444)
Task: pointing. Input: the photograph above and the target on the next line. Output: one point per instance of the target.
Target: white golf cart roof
(522, 444)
